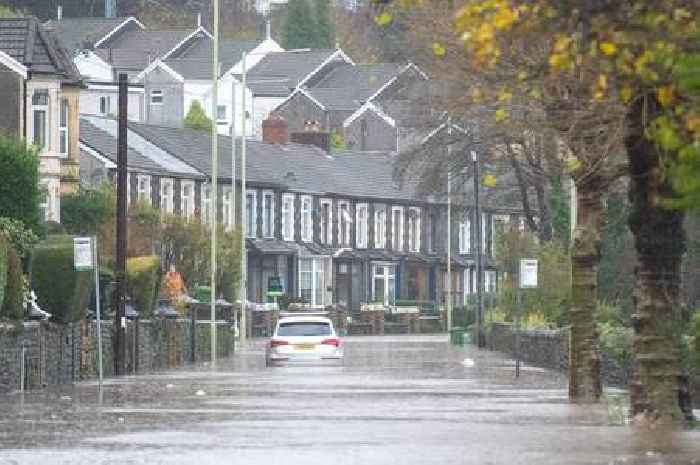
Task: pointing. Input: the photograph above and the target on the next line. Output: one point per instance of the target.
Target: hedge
(142, 279)
(60, 289)
(3, 265)
(19, 189)
(696, 331)
(12, 305)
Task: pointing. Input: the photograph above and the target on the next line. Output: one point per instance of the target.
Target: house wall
(70, 166)
(370, 132)
(11, 102)
(93, 67)
(224, 98)
(171, 111)
(299, 109)
(90, 101)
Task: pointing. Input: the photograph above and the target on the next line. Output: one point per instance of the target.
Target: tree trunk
(584, 353)
(660, 243)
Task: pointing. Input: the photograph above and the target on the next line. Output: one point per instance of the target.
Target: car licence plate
(305, 346)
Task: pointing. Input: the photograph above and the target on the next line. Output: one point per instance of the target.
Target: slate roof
(293, 65)
(297, 167)
(194, 62)
(81, 33)
(364, 79)
(337, 98)
(269, 88)
(137, 49)
(28, 42)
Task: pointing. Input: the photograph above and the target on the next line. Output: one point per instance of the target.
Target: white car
(303, 338)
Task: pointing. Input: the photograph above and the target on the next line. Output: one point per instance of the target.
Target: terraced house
(39, 95)
(335, 228)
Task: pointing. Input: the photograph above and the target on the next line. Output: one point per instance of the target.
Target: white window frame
(319, 265)
(397, 245)
(505, 219)
(388, 275)
(379, 227)
(361, 225)
(251, 216)
(268, 199)
(414, 242)
(187, 210)
(226, 212)
(467, 284)
(45, 199)
(143, 194)
(465, 236)
(346, 221)
(156, 93)
(105, 105)
(326, 226)
(63, 117)
(307, 218)
(45, 110)
(483, 233)
(288, 217)
(167, 199)
(205, 203)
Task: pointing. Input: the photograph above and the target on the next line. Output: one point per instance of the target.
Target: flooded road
(397, 400)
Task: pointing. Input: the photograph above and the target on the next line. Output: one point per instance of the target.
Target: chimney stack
(59, 13)
(274, 130)
(313, 135)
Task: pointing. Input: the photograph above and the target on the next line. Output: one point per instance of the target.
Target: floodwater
(397, 400)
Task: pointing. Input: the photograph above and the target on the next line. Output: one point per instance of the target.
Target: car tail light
(278, 342)
(334, 341)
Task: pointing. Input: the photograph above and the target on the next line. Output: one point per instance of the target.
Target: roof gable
(89, 32)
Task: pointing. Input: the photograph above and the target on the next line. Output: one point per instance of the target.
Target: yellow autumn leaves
(480, 21)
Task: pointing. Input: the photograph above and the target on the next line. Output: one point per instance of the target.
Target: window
(304, 328)
(221, 112)
(344, 222)
(489, 281)
(206, 204)
(465, 236)
(380, 226)
(45, 200)
(312, 281)
(156, 97)
(40, 110)
(307, 224)
(187, 199)
(166, 195)
(326, 221)
(499, 226)
(384, 283)
(226, 208)
(288, 217)
(361, 227)
(397, 228)
(483, 233)
(414, 229)
(63, 128)
(251, 214)
(268, 214)
(467, 284)
(105, 105)
(143, 188)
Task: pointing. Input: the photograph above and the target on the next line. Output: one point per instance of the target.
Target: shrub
(12, 305)
(60, 289)
(19, 189)
(197, 119)
(616, 341)
(142, 279)
(3, 265)
(84, 211)
(696, 334)
(21, 238)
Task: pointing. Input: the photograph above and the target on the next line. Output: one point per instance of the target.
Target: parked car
(303, 338)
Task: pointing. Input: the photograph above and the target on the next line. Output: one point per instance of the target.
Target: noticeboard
(82, 253)
(275, 287)
(528, 273)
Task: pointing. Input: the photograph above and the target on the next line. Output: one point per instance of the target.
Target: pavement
(396, 400)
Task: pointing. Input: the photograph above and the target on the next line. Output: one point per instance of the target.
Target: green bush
(3, 265)
(19, 189)
(21, 238)
(616, 341)
(197, 119)
(142, 279)
(83, 212)
(60, 289)
(696, 336)
(12, 304)
(462, 316)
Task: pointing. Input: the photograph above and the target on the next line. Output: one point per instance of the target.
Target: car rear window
(304, 328)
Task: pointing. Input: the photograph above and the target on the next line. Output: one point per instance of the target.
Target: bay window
(63, 129)
(307, 224)
(206, 204)
(251, 214)
(361, 228)
(384, 283)
(268, 212)
(40, 113)
(327, 221)
(465, 236)
(288, 217)
(380, 226)
(397, 228)
(344, 222)
(414, 229)
(313, 274)
(187, 199)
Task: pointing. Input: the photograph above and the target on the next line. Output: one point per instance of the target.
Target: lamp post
(244, 197)
(214, 176)
(449, 229)
(479, 249)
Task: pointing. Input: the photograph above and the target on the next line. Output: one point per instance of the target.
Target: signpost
(527, 279)
(85, 258)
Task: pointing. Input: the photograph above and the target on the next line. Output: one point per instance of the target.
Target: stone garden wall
(63, 354)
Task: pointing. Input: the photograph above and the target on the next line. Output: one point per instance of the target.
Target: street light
(479, 272)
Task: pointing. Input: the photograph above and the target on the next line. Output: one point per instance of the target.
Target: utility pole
(244, 198)
(233, 151)
(214, 176)
(119, 295)
(479, 249)
(449, 228)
